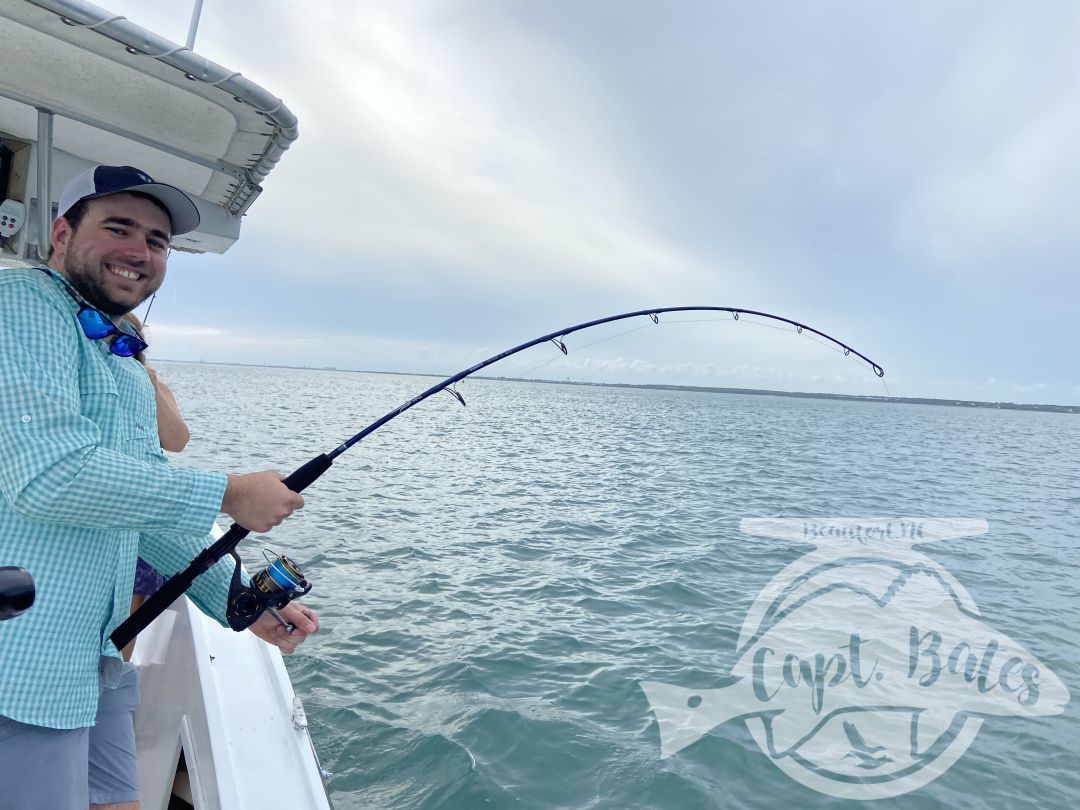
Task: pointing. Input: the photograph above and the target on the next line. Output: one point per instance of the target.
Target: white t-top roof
(124, 96)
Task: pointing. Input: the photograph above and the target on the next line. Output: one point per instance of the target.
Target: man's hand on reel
(270, 630)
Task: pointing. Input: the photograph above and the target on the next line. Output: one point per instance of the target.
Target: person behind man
(173, 435)
(85, 488)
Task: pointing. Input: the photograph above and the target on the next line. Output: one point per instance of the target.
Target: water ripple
(495, 580)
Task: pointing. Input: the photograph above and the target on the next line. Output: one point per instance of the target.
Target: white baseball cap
(100, 181)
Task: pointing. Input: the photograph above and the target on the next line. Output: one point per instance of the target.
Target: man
(85, 488)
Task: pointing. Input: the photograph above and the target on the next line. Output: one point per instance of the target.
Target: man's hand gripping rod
(226, 544)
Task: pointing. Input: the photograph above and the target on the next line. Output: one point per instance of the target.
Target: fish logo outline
(927, 731)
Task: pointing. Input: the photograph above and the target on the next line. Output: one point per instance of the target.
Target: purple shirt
(147, 580)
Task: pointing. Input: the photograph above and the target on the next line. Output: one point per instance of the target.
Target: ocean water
(494, 581)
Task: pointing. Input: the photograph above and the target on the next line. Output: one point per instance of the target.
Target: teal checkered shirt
(84, 488)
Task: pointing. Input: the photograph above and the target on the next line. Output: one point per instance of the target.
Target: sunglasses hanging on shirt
(96, 325)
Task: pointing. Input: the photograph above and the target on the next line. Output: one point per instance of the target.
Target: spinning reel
(271, 588)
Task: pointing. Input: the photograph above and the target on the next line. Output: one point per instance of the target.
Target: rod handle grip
(175, 586)
(300, 478)
(151, 609)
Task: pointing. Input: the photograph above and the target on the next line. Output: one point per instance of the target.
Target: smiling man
(85, 488)
(118, 260)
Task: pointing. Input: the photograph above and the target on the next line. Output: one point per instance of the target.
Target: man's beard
(87, 285)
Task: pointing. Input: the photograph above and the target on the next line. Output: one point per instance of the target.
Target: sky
(471, 174)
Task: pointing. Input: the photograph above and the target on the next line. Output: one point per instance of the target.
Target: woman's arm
(172, 430)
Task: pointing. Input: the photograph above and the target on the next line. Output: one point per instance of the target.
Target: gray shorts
(67, 769)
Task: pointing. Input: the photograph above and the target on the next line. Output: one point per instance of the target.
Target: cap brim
(182, 211)
(183, 215)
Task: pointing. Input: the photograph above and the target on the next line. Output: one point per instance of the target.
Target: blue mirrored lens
(127, 346)
(95, 325)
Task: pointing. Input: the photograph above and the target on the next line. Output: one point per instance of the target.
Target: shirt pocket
(138, 419)
(141, 441)
(101, 405)
(126, 423)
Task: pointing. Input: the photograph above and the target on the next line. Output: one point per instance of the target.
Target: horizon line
(708, 389)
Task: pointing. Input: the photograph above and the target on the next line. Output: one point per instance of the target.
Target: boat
(219, 724)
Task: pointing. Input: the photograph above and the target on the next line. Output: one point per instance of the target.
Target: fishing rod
(281, 581)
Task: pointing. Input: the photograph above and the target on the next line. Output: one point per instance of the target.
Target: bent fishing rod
(281, 581)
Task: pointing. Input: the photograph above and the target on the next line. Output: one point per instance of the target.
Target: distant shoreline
(703, 389)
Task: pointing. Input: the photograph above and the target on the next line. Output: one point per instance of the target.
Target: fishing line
(146, 315)
(826, 344)
(819, 341)
(246, 604)
(646, 326)
(587, 346)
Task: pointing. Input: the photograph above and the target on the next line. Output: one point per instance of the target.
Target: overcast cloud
(471, 174)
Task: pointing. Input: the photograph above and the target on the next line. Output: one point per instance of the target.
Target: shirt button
(26, 418)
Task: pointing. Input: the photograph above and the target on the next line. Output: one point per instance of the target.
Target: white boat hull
(225, 700)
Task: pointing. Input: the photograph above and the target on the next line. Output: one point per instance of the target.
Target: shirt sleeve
(55, 466)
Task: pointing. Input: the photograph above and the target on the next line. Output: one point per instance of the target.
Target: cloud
(429, 151)
(904, 176)
(310, 349)
(1002, 177)
(169, 331)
